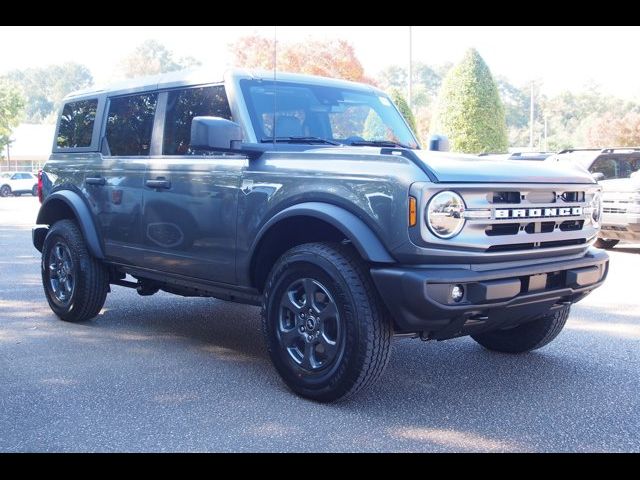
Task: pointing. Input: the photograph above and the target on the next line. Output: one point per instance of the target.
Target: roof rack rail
(569, 150)
(613, 149)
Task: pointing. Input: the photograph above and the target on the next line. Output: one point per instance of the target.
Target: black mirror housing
(215, 133)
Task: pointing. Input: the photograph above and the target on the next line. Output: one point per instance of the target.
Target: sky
(563, 58)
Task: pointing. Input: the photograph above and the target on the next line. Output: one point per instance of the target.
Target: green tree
(469, 110)
(403, 107)
(151, 58)
(11, 105)
(44, 88)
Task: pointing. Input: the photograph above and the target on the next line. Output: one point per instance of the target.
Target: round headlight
(444, 214)
(596, 208)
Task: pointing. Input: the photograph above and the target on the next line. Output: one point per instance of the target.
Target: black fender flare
(47, 215)
(359, 233)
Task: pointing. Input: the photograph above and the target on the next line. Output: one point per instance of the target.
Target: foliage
(403, 107)
(44, 88)
(611, 130)
(469, 109)
(329, 58)
(151, 58)
(11, 105)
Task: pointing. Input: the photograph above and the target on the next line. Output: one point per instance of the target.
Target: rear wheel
(606, 243)
(75, 283)
(526, 337)
(34, 191)
(5, 191)
(327, 332)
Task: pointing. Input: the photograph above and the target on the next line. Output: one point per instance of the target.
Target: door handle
(95, 181)
(158, 183)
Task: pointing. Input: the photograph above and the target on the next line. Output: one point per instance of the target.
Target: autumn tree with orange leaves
(328, 58)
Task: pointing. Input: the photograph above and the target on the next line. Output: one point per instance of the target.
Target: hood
(448, 167)
(621, 185)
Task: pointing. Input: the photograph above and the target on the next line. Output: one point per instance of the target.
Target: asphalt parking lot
(166, 373)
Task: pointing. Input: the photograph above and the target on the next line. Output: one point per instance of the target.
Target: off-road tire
(526, 337)
(606, 243)
(91, 278)
(367, 327)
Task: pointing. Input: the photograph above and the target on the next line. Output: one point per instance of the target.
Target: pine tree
(469, 109)
(403, 107)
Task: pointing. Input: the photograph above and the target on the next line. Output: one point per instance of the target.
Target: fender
(363, 238)
(81, 212)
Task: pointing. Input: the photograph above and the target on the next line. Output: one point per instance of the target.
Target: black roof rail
(613, 149)
(569, 150)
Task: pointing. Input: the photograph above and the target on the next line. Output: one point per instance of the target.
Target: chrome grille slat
(532, 232)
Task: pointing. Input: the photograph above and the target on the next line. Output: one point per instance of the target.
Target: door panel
(114, 188)
(188, 217)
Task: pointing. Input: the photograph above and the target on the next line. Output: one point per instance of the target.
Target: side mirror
(215, 133)
(597, 176)
(439, 143)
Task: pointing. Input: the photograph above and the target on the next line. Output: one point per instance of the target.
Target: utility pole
(410, 68)
(531, 119)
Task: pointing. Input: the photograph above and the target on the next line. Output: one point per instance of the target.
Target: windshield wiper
(298, 140)
(377, 143)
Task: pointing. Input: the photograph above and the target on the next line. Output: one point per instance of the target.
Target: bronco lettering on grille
(538, 212)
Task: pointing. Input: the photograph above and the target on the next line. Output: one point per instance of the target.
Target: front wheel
(606, 243)
(34, 191)
(75, 283)
(5, 191)
(526, 337)
(327, 332)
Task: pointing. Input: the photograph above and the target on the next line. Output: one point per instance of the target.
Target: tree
(11, 105)
(44, 88)
(151, 58)
(611, 130)
(403, 107)
(329, 58)
(469, 110)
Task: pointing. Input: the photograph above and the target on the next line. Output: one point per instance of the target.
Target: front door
(189, 216)
(190, 198)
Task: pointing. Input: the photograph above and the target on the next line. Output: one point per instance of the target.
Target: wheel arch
(311, 222)
(65, 204)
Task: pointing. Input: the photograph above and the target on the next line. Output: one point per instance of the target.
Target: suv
(617, 170)
(310, 197)
(17, 183)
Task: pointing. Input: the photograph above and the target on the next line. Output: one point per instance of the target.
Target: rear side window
(76, 124)
(130, 124)
(182, 106)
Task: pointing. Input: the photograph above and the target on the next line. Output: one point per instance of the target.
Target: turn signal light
(413, 212)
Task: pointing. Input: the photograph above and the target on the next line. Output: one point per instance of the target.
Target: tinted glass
(76, 124)
(182, 106)
(331, 113)
(130, 123)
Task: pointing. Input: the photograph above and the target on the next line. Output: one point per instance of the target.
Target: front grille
(614, 210)
(522, 217)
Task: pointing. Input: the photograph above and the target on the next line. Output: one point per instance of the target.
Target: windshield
(332, 114)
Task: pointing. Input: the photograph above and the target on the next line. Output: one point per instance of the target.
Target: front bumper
(620, 226)
(419, 298)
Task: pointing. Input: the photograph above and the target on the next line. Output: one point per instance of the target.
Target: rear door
(115, 181)
(191, 197)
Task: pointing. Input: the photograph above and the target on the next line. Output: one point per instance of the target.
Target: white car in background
(17, 183)
(618, 171)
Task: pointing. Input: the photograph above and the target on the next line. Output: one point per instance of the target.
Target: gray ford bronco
(310, 197)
